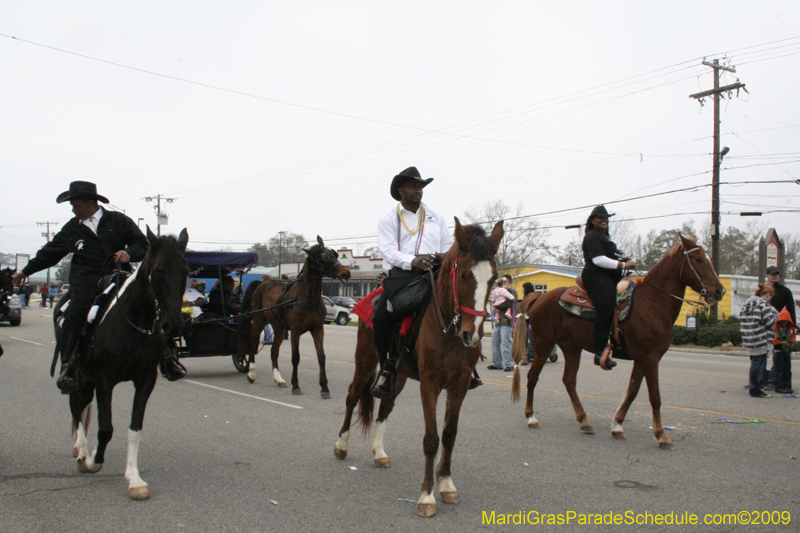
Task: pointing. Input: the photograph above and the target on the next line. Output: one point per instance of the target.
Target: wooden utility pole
(716, 92)
(157, 198)
(47, 236)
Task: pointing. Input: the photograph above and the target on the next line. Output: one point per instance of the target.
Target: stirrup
(605, 361)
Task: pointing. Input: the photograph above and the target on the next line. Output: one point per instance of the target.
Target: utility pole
(716, 92)
(280, 250)
(157, 198)
(46, 235)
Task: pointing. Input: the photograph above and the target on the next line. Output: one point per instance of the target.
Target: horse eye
(698, 260)
(463, 276)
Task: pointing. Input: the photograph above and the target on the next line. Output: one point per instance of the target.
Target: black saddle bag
(411, 296)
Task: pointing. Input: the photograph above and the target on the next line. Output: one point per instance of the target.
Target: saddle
(575, 301)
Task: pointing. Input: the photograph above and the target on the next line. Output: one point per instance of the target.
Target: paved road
(216, 451)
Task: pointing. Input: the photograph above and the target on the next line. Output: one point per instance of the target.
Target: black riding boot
(170, 367)
(67, 381)
(386, 384)
(610, 363)
(475, 382)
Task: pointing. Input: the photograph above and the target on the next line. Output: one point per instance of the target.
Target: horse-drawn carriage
(223, 335)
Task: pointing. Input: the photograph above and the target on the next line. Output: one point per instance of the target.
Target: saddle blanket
(364, 310)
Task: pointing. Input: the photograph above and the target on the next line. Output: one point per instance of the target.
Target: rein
(457, 307)
(151, 293)
(703, 292)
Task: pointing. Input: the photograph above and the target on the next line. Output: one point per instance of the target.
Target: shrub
(707, 334)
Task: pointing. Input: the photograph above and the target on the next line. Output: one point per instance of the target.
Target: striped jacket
(755, 323)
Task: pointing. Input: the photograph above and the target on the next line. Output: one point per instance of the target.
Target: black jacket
(783, 298)
(91, 253)
(596, 243)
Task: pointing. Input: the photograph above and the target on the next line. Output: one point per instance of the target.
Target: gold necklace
(420, 220)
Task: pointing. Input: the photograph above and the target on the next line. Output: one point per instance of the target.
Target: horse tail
(519, 343)
(366, 406)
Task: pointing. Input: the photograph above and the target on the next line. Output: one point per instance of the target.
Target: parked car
(335, 313)
(64, 289)
(11, 309)
(344, 301)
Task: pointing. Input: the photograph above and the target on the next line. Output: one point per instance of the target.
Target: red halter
(456, 306)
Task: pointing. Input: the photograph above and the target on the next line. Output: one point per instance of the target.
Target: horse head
(326, 261)
(167, 271)
(697, 271)
(472, 270)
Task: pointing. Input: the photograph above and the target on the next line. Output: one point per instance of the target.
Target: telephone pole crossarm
(723, 89)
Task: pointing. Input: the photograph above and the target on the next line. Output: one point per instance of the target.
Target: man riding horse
(409, 237)
(97, 238)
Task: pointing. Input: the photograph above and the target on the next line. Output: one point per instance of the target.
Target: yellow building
(548, 277)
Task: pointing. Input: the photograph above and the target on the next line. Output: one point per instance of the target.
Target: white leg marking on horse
(81, 443)
(251, 373)
(427, 497)
(446, 484)
(125, 285)
(132, 468)
(276, 376)
(343, 441)
(377, 441)
(532, 422)
(483, 274)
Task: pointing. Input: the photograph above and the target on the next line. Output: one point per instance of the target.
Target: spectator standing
(781, 374)
(784, 342)
(52, 293)
(501, 332)
(43, 292)
(755, 323)
(23, 293)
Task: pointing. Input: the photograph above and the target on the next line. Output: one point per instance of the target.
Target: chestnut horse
(447, 349)
(296, 305)
(656, 305)
(128, 342)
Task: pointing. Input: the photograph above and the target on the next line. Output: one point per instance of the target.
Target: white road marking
(23, 340)
(244, 394)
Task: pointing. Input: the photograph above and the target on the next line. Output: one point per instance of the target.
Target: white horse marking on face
(483, 275)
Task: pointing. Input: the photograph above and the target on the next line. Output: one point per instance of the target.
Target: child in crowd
(784, 341)
(501, 294)
(755, 323)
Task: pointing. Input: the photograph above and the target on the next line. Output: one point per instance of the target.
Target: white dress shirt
(93, 220)
(434, 238)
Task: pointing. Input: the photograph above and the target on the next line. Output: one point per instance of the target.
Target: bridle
(325, 271)
(457, 307)
(703, 291)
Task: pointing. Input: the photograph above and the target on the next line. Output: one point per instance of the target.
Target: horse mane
(247, 299)
(481, 246)
(167, 247)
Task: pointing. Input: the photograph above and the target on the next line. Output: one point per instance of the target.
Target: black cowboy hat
(411, 173)
(82, 190)
(600, 211)
(773, 270)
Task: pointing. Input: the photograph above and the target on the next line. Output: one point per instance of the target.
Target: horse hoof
(588, 430)
(666, 445)
(533, 424)
(74, 451)
(450, 497)
(383, 462)
(84, 468)
(325, 395)
(297, 392)
(426, 510)
(251, 379)
(139, 493)
(282, 385)
(620, 435)
(340, 454)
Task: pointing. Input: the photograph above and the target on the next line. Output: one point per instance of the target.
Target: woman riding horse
(601, 273)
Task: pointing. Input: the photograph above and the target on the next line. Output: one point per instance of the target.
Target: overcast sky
(264, 116)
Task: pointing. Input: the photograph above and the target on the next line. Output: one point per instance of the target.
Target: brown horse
(296, 306)
(656, 304)
(447, 349)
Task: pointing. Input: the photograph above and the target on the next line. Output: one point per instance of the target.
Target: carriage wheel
(240, 362)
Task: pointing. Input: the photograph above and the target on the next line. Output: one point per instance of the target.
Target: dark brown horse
(656, 304)
(295, 305)
(447, 349)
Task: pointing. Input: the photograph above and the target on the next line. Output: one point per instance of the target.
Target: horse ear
(183, 239)
(497, 235)
(319, 241)
(691, 242)
(461, 236)
(307, 251)
(151, 238)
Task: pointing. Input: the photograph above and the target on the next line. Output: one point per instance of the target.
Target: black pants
(79, 304)
(602, 289)
(383, 320)
(782, 366)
